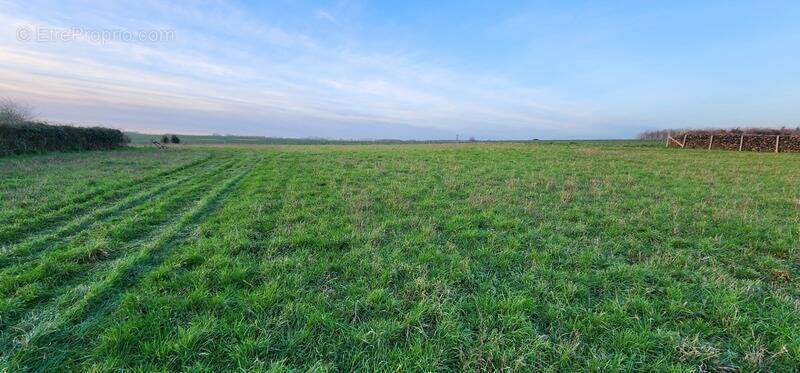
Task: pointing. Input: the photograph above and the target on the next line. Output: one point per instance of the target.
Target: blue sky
(410, 69)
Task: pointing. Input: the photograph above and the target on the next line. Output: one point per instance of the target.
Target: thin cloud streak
(309, 87)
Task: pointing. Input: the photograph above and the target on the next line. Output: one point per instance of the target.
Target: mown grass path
(517, 257)
(64, 199)
(69, 326)
(104, 242)
(112, 206)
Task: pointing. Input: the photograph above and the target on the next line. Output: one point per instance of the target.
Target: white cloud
(323, 15)
(297, 80)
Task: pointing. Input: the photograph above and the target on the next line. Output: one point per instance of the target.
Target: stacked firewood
(789, 144)
(759, 140)
(726, 142)
(759, 143)
(697, 141)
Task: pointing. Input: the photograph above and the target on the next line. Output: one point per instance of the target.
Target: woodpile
(726, 142)
(789, 144)
(757, 140)
(760, 143)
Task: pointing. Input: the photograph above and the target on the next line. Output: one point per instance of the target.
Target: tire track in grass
(19, 278)
(101, 190)
(142, 214)
(69, 287)
(23, 226)
(31, 248)
(256, 207)
(66, 327)
(22, 231)
(18, 228)
(98, 191)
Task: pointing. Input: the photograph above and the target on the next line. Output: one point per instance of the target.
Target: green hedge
(32, 137)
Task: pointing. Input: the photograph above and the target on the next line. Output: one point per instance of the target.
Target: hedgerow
(38, 137)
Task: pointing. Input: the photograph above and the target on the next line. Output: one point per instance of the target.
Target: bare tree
(660, 134)
(14, 112)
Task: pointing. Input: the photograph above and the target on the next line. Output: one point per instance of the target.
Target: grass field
(401, 257)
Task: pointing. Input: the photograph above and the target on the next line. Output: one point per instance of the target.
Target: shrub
(165, 139)
(14, 112)
(37, 137)
(174, 139)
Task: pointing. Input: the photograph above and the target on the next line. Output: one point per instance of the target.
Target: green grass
(535, 256)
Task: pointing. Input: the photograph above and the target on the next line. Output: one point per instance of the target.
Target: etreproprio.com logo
(66, 35)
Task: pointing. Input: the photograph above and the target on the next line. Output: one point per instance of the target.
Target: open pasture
(401, 257)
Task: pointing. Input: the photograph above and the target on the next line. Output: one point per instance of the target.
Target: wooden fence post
(777, 142)
(710, 141)
(684, 141)
(741, 142)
